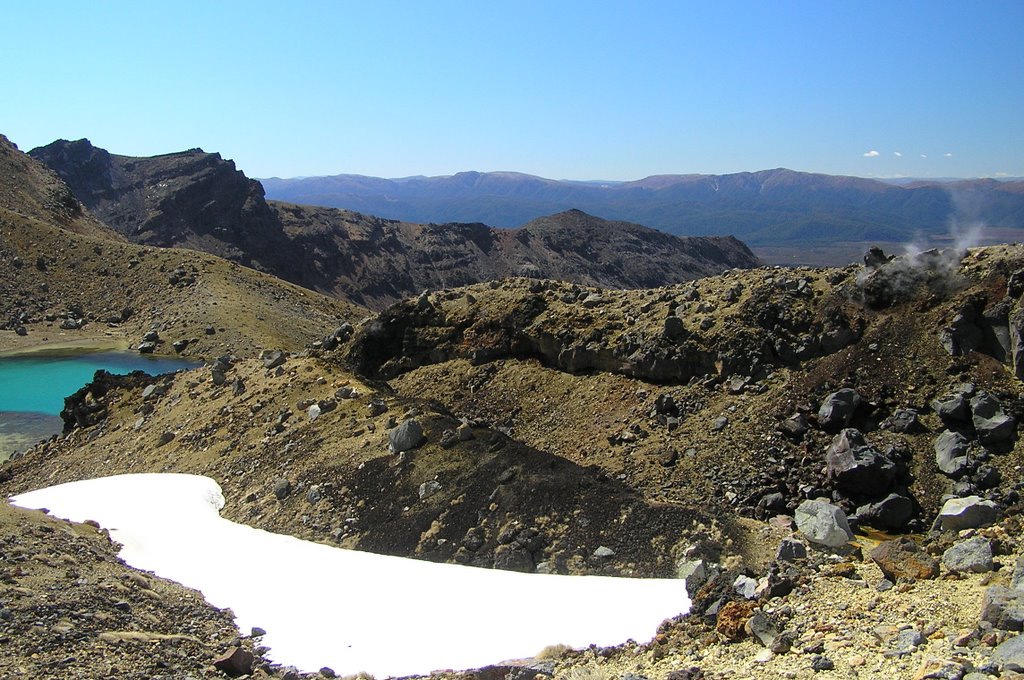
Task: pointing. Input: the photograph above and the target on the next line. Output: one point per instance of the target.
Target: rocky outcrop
(87, 406)
(190, 199)
(525, 318)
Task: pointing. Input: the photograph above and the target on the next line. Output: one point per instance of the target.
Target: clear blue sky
(578, 90)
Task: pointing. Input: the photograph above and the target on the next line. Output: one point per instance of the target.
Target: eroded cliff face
(198, 200)
(190, 199)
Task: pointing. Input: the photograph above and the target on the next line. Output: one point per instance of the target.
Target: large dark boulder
(857, 467)
(955, 407)
(1003, 608)
(952, 454)
(838, 408)
(990, 421)
(892, 512)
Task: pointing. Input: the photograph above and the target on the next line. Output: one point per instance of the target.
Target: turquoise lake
(33, 387)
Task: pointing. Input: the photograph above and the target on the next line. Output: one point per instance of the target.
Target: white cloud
(897, 154)
(948, 155)
(924, 155)
(871, 154)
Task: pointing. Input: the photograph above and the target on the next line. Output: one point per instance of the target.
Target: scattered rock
(951, 453)
(376, 407)
(837, 410)
(939, 669)
(903, 558)
(892, 512)
(791, 550)
(822, 663)
(857, 467)
(1010, 654)
(974, 554)
(795, 426)
(1003, 608)
(991, 423)
(903, 421)
(908, 640)
(745, 587)
(954, 406)
(732, 619)
(429, 488)
(762, 629)
(512, 558)
(604, 552)
(272, 358)
(235, 662)
(407, 436)
(282, 488)
(966, 513)
(823, 523)
(1017, 580)
(695, 573)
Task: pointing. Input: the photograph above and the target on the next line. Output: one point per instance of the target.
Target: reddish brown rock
(732, 620)
(903, 558)
(236, 661)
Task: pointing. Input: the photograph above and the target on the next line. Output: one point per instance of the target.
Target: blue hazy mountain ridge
(769, 207)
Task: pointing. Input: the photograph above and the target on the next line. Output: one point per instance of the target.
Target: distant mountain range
(770, 207)
(200, 201)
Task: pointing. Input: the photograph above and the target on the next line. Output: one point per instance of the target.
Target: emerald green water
(33, 387)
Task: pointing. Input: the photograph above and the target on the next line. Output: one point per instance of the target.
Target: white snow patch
(351, 610)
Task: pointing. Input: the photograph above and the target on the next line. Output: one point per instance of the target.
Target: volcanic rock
(951, 453)
(991, 423)
(857, 467)
(1010, 654)
(1003, 608)
(904, 558)
(408, 435)
(974, 555)
(823, 523)
(235, 662)
(892, 512)
(966, 513)
(955, 406)
(838, 408)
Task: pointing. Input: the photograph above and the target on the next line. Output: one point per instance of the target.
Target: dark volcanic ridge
(198, 200)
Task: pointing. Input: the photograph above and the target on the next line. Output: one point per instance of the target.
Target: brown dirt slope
(69, 608)
(31, 190)
(64, 287)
